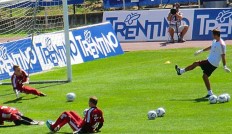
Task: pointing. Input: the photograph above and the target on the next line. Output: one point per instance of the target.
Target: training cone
(167, 62)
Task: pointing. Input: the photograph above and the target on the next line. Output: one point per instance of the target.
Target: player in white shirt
(217, 53)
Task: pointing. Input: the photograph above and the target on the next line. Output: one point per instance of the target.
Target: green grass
(128, 86)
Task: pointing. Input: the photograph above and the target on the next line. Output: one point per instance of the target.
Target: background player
(92, 122)
(10, 114)
(19, 80)
(217, 52)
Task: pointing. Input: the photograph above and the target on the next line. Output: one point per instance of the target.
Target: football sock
(182, 71)
(210, 92)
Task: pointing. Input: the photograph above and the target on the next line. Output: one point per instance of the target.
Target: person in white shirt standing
(217, 53)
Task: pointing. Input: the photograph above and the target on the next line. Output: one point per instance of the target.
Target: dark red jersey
(18, 80)
(8, 114)
(93, 117)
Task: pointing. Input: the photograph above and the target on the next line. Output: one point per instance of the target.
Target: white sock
(182, 71)
(210, 92)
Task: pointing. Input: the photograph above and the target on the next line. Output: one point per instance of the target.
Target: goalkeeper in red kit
(92, 122)
(19, 80)
(10, 114)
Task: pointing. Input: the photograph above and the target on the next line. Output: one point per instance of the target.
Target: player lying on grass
(19, 80)
(92, 122)
(217, 53)
(10, 114)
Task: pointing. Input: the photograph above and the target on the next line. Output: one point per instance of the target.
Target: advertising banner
(147, 25)
(48, 50)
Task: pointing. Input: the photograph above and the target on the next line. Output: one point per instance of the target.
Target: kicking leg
(207, 84)
(188, 68)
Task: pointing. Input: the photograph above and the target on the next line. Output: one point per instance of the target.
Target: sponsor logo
(134, 26)
(22, 56)
(3, 52)
(208, 22)
(131, 18)
(97, 46)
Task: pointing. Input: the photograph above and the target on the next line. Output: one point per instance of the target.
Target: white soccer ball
(227, 96)
(151, 115)
(213, 99)
(70, 96)
(222, 98)
(85, 111)
(160, 112)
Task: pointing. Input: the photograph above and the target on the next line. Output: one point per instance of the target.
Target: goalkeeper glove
(198, 52)
(227, 69)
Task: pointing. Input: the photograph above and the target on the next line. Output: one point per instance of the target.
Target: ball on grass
(213, 99)
(70, 97)
(160, 112)
(152, 115)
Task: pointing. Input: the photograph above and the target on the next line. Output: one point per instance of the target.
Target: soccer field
(128, 86)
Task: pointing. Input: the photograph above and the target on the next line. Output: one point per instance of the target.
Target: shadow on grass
(202, 99)
(7, 126)
(18, 100)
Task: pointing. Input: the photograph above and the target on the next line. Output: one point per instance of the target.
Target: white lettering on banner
(23, 59)
(93, 46)
(207, 24)
(52, 52)
(149, 25)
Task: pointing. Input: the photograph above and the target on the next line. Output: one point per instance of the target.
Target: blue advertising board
(205, 20)
(48, 50)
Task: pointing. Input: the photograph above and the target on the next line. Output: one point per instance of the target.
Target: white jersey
(217, 49)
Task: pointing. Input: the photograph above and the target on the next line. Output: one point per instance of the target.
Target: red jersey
(18, 80)
(93, 117)
(8, 114)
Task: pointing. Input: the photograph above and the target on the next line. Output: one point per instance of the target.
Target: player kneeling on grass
(217, 52)
(19, 80)
(92, 122)
(10, 114)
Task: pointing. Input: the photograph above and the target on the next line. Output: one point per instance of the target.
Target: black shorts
(207, 67)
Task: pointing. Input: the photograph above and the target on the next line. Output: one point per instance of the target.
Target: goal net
(34, 35)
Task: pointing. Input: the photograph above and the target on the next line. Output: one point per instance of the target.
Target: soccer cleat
(177, 70)
(42, 95)
(49, 125)
(17, 93)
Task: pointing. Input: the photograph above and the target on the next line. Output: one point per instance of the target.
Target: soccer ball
(70, 96)
(222, 98)
(213, 99)
(160, 112)
(227, 96)
(151, 115)
(85, 111)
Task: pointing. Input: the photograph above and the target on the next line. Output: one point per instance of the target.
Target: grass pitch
(128, 86)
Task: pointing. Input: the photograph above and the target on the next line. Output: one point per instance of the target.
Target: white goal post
(21, 23)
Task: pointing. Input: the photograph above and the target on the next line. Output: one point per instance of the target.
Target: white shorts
(180, 28)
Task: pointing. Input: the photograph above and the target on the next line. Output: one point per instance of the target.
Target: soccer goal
(34, 34)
